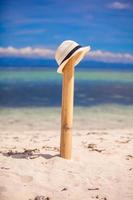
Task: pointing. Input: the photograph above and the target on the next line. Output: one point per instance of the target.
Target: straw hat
(67, 50)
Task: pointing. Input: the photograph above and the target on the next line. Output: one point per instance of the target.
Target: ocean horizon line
(18, 62)
(54, 68)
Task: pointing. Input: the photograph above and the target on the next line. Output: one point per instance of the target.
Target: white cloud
(96, 55)
(26, 52)
(119, 5)
(107, 56)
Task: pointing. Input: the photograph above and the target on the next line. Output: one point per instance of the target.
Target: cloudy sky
(36, 27)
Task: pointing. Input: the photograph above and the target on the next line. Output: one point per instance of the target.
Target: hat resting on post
(66, 51)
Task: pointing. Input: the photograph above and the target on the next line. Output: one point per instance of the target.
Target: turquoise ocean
(27, 87)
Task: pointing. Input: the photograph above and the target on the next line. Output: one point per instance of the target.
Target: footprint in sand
(26, 179)
(3, 197)
(123, 142)
(2, 190)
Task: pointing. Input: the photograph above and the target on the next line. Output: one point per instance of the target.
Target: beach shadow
(28, 154)
(49, 156)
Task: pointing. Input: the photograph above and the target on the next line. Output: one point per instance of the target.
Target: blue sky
(105, 25)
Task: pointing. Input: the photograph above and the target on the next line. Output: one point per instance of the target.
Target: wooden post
(67, 110)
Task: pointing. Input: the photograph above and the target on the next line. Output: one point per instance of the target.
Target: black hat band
(70, 53)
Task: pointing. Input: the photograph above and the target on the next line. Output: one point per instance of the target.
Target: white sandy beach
(102, 163)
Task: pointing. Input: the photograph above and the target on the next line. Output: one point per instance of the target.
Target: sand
(102, 162)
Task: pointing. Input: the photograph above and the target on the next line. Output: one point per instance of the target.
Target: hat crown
(63, 50)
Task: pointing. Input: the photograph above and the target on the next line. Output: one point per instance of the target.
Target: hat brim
(83, 51)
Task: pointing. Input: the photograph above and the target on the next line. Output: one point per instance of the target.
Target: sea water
(42, 88)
